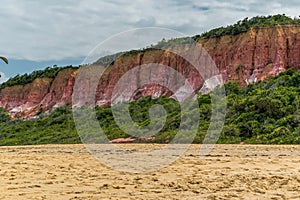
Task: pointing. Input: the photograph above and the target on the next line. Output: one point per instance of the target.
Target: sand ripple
(229, 172)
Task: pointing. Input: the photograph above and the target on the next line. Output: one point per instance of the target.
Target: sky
(40, 33)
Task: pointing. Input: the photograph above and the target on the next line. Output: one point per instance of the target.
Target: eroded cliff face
(247, 57)
(256, 54)
(39, 96)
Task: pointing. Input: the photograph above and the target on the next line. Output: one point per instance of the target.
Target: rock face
(256, 54)
(247, 57)
(42, 94)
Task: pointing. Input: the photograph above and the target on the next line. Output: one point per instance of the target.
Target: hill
(266, 112)
(258, 58)
(246, 58)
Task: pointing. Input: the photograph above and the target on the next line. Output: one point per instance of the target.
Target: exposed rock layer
(247, 57)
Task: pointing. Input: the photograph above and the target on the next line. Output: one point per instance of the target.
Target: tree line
(266, 112)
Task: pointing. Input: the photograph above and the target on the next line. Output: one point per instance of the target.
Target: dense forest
(261, 113)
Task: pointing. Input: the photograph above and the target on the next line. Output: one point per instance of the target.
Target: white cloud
(60, 29)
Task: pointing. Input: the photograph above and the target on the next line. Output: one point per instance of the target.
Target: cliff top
(49, 72)
(255, 22)
(235, 29)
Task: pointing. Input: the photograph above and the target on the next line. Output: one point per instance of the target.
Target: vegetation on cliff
(49, 72)
(235, 29)
(261, 113)
(246, 24)
(240, 27)
(264, 112)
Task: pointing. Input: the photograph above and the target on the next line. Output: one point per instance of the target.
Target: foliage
(255, 22)
(4, 117)
(263, 113)
(107, 60)
(49, 72)
(4, 59)
(240, 27)
(239, 68)
(57, 127)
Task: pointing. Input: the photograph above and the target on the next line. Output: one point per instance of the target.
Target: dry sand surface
(229, 172)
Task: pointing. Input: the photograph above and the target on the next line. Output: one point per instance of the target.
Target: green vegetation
(261, 113)
(163, 44)
(53, 128)
(264, 112)
(107, 60)
(140, 115)
(239, 67)
(240, 27)
(4, 59)
(255, 22)
(49, 72)
(4, 117)
(235, 29)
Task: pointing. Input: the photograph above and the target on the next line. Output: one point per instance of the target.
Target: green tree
(4, 117)
(4, 59)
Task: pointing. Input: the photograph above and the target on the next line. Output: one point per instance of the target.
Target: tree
(4, 59)
(4, 117)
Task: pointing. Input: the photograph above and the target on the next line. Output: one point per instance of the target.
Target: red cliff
(247, 57)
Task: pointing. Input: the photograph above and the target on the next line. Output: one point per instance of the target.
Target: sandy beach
(229, 172)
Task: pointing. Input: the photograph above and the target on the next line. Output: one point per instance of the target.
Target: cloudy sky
(40, 33)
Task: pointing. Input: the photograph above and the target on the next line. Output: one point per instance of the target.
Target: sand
(229, 172)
